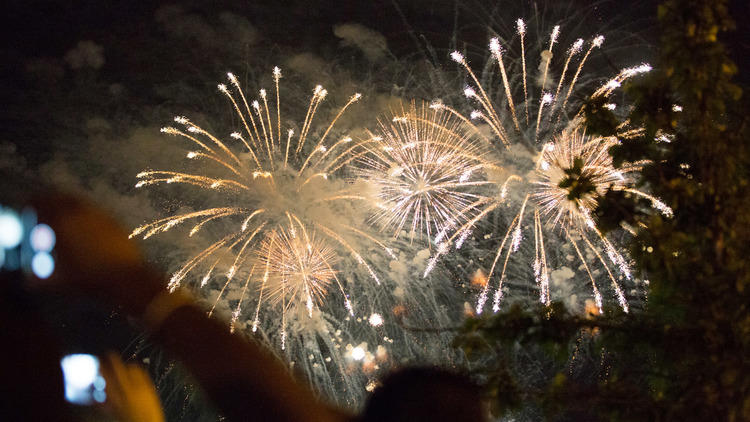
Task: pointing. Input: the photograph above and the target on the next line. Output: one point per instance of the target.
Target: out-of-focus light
(42, 238)
(83, 382)
(100, 396)
(11, 230)
(2, 257)
(80, 370)
(358, 353)
(376, 320)
(100, 383)
(42, 264)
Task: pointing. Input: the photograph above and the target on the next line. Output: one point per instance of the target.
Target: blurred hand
(94, 255)
(130, 393)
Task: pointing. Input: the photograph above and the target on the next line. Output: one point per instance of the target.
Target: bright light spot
(613, 84)
(358, 353)
(495, 46)
(555, 33)
(520, 26)
(376, 320)
(42, 264)
(81, 372)
(11, 230)
(100, 383)
(576, 47)
(42, 238)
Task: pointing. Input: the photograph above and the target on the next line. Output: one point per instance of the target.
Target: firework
(425, 171)
(282, 207)
(570, 172)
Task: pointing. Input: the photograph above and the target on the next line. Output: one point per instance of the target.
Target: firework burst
(571, 170)
(424, 170)
(287, 217)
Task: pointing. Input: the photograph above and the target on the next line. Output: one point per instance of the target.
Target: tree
(687, 355)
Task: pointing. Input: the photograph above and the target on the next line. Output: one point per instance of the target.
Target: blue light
(11, 230)
(42, 238)
(80, 371)
(100, 396)
(42, 264)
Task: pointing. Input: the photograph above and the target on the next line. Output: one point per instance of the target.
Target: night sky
(44, 98)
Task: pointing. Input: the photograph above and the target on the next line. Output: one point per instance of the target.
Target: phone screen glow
(84, 384)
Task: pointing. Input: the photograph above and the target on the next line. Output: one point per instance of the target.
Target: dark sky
(140, 56)
(43, 99)
(48, 27)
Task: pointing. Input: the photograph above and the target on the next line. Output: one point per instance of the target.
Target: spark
(375, 320)
(282, 234)
(572, 170)
(425, 170)
(358, 353)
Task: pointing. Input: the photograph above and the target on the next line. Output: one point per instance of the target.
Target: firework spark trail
(425, 171)
(291, 231)
(563, 154)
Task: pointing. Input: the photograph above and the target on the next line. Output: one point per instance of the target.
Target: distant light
(100, 383)
(376, 320)
(358, 353)
(42, 264)
(42, 238)
(11, 230)
(80, 370)
(81, 375)
(100, 396)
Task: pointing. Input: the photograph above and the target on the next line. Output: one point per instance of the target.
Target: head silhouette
(425, 394)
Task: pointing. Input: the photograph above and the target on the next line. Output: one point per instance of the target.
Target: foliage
(686, 355)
